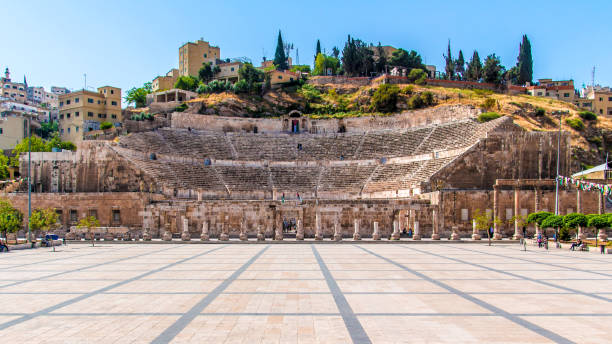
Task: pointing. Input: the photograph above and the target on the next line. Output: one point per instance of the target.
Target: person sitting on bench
(3, 246)
(576, 244)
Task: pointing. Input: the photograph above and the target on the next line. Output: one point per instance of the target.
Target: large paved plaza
(287, 293)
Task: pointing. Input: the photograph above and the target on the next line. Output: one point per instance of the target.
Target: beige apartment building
(14, 122)
(15, 91)
(600, 99)
(228, 71)
(558, 90)
(193, 55)
(83, 111)
(166, 82)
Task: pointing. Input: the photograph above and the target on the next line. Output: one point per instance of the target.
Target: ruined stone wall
(506, 155)
(407, 119)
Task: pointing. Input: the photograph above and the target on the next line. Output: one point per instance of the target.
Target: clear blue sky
(126, 43)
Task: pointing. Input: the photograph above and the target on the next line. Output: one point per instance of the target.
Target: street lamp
(560, 113)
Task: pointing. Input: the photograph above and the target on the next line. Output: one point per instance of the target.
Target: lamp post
(560, 113)
(29, 178)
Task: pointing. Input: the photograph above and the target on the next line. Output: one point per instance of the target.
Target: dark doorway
(295, 126)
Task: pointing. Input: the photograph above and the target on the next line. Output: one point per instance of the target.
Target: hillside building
(165, 82)
(597, 99)
(558, 90)
(193, 55)
(83, 111)
(15, 91)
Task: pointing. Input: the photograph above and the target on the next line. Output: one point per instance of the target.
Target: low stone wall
(339, 80)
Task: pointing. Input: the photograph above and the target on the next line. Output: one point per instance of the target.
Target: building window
(113, 116)
(116, 215)
(77, 128)
(76, 100)
(600, 111)
(232, 69)
(90, 100)
(60, 214)
(113, 103)
(76, 114)
(62, 131)
(600, 99)
(99, 115)
(610, 99)
(1, 131)
(112, 91)
(464, 214)
(98, 102)
(539, 93)
(67, 115)
(61, 103)
(90, 114)
(74, 216)
(205, 55)
(566, 95)
(61, 116)
(68, 102)
(68, 130)
(93, 212)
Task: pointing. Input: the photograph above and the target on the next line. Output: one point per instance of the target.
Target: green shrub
(241, 86)
(408, 90)
(428, 98)
(539, 112)
(575, 123)
(488, 116)
(106, 125)
(565, 234)
(415, 102)
(418, 76)
(181, 107)
(483, 93)
(553, 221)
(587, 115)
(385, 98)
(488, 104)
(538, 217)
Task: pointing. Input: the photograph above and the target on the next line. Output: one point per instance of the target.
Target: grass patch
(488, 116)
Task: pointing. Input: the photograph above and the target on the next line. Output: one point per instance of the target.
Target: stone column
(204, 236)
(396, 232)
(581, 235)
(356, 235)
(224, 236)
(475, 234)
(185, 236)
(375, 234)
(337, 231)
(600, 203)
(455, 235)
(318, 234)
(537, 199)
(517, 232)
(261, 235)
(435, 235)
(496, 233)
(300, 230)
(167, 236)
(416, 230)
(243, 235)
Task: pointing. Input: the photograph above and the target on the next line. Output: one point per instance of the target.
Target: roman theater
(298, 178)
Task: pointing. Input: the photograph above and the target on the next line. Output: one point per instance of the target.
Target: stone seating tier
(374, 144)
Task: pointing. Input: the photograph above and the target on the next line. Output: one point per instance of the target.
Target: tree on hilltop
(460, 65)
(138, 95)
(317, 50)
(403, 58)
(187, 83)
(335, 52)
(474, 70)
(450, 64)
(525, 62)
(207, 72)
(357, 58)
(493, 71)
(280, 59)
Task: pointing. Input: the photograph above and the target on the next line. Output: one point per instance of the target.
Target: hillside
(320, 100)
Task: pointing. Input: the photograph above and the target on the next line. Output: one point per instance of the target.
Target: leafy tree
(460, 65)
(538, 217)
(403, 58)
(206, 73)
(512, 75)
(89, 223)
(417, 76)
(4, 164)
(525, 62)
(280, 59)
(598, 221)
(381, 62)
(39, 145)
(11, 219)
(300, 68)
(553, 221)
(493, 70)
(323, 62)
(474, 71)
(573, 221)
(450, 63)
(335, 52)
(252, 76)
(357, 58)
(138, 95)
(385, 98)
(318, 50)
(47, 129)
(43, 219)
(56, 142)
(106, 125)
(187, 83)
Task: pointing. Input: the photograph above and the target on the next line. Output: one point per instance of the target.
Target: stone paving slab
(283, 293)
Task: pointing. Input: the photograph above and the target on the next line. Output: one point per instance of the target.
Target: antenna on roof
(593, 78)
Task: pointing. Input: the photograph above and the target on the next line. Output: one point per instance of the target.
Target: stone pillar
(204, 236)
(261, 235)
(600, 203)
(318, 234)
(537, 199)
(581, 235)
(278, 235)
(224, 236)
(417, 231)
(455, 235)
(243, 235)
(496, 233)
(337, 231)
(300, 230)
(517, 232)
(185, 236)
(375, 234)
(475, 235)
(356, 235)
(167, 236)
(396, 232)
(435, 233)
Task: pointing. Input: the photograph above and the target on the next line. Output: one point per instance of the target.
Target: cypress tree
(460, 65)
(280, 59)
(525, 62)
(450, 64)
(318, 51)
(474, 71)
